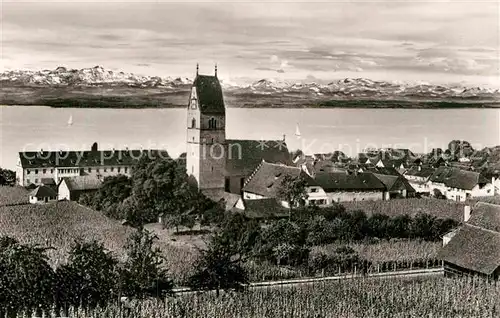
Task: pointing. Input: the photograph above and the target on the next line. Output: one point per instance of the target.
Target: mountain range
(349, 88)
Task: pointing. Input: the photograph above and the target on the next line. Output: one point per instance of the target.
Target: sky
(436, 41)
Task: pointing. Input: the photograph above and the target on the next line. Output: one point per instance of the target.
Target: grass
(180, 251)
(13, 195)
(374, 298)
(412, 206)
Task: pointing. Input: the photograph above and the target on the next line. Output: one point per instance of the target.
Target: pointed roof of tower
(209, 92)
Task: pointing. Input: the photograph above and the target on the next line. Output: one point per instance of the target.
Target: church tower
(206, 134)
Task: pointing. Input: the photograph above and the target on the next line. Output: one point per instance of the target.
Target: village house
(418, 178)
(345, 187)
(42, 194)
(36, 167)
(474, 248)
(399, 164)
(459, 185)
(71, 188)
(396, 186)
(266, 182)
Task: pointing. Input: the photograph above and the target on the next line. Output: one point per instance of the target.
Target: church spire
(197, 68)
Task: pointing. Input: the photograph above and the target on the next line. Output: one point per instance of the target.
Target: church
(218, 165)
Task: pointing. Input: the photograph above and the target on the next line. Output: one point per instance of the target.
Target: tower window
(193, 123)
(212, 123)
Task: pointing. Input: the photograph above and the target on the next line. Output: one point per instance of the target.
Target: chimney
(466, 213)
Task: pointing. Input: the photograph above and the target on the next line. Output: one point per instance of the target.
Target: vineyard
(58, 225)
(413, 206)
(13, 195)
(429, 297)
(394, 250)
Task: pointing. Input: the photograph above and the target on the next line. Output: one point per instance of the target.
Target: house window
(28, 181)
(112, 169)
(105, 170)
(314, 190)
(44, 171)
(119, 169)
(36, 180)
(36, 171)
(89, 170)
(193, 123)
(125, 169)
(212, 123)
(97, 170)
(51, 170)
(28, 171)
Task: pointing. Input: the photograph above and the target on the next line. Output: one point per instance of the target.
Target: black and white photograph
(249, 159)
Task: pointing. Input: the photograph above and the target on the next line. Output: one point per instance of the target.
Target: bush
(219, 267)
(143, 275)
(90, 277)
(26, 280)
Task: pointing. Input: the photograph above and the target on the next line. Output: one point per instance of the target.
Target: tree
(27, 280)
(7, 177)
(219, 267)
(422, 226)
(143, 274)
(460, 148)
(113, 191)
(293, 190)
(89, 278)
(161, 187)
(278, 237)
(334, 211)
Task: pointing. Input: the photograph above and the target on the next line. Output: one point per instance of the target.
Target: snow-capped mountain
(362, 87)
(345, 88)
(62, 76)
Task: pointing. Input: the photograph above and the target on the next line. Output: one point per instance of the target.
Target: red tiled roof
(266, 180)
(456, 178)
(473, 248)
(342, 181)
(43, 192)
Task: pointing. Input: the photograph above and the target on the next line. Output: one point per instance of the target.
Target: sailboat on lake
(297, 131)
(70, 120)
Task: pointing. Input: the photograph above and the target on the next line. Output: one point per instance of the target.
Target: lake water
(322, 130)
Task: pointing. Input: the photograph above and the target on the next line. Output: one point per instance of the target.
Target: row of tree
(92, 276)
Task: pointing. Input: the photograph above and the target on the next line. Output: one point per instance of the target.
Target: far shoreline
(333, 104)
